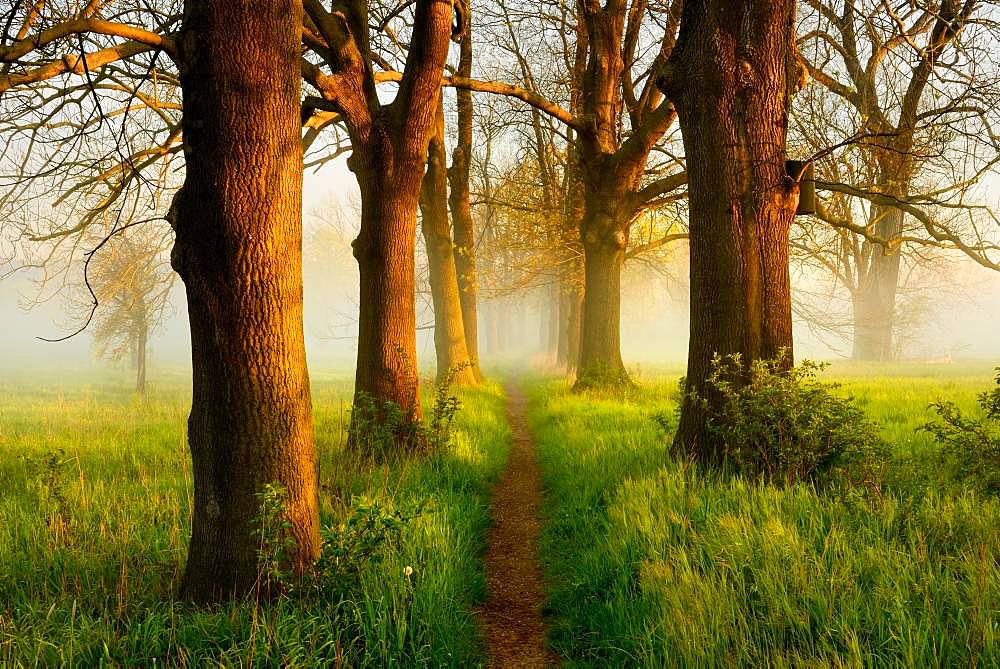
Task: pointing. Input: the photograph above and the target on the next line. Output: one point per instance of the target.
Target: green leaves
(971, 444)
(786, 426)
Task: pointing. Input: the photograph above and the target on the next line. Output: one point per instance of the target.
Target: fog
(954, 313)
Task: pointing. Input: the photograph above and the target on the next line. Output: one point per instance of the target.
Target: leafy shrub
(378, 429)
(350, 546)
(276, 542)
(783, 425)
(50, 482)
(446, 406)
(970, 445)
(347, 548)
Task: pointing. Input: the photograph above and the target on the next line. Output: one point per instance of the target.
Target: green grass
(94, 522)
(652, 563)
(649, 562)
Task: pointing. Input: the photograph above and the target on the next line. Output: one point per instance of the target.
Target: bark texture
(600, 361)
(238, 250)
(731, 76)
(449, 333)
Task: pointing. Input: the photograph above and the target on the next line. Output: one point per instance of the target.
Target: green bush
(379, 428)
(970, 445)
(784, 425)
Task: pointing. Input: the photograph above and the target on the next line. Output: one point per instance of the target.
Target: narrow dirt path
(515, 631)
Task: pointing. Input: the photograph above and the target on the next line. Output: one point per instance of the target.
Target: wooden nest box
(802, 171)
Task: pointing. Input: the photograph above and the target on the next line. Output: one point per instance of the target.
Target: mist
(953, 313)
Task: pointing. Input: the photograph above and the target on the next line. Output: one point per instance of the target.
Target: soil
(512, 617)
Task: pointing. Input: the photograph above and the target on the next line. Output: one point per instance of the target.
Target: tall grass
(94, 522)
(653, 563)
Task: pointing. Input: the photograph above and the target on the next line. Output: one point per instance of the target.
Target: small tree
(131, 280)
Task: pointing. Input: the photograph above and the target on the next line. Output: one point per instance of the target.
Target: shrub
(970, 445)
(784, 425)
(379, 428)
(347, 547)
(276, 542)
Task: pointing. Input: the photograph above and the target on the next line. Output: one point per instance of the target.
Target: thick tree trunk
(600, 362)
(461, 205)
(875, 303)
(387, 355)
(238, 224)
(729, 77)
(449, 334)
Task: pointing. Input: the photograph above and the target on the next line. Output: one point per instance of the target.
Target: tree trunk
(552, 306)
(449, 334)
(574, 327)
(875, 305)
(387, 356)
(238, 222)
(730, 79)
(140, 358)
(562, 345)
(460, 202)
(600, 362)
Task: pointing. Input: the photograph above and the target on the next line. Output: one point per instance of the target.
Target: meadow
(653, 563)
(649, 561)
(94, 522)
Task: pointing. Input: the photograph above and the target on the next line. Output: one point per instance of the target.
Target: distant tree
(450, 344)
(913, 89)
(459, 200)
(131, 281)
(389, 151)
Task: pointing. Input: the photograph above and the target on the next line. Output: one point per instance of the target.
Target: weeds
(50, 483)
(653, 562)
(276, 541)
(103, 594)
(382, 429)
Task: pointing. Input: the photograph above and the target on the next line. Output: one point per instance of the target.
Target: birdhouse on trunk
(802, 172)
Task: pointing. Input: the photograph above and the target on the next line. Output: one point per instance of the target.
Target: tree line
(205, 114)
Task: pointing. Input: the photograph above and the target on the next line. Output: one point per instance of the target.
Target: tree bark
(460, 202)
(387, 353)
(600, 361)
(449, 333)
(730, 76)
(238, 228)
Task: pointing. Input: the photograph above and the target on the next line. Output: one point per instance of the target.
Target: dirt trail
(515, 631)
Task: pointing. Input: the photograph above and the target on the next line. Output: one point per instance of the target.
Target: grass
(650, 562)
(94, 522)
(653, 563)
